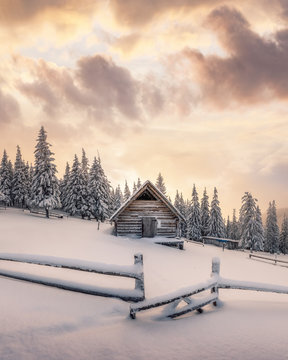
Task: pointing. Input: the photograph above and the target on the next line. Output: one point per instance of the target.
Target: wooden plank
(148, 304)
(194, 305)
(67, 285)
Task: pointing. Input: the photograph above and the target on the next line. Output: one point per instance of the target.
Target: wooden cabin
(147, 213)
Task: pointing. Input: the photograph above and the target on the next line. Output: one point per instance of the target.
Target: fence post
(215, 273)
(139, 282)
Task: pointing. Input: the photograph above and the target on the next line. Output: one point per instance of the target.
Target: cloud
(19, 11)
(254, 68)
(141, 12)
(40, 91)
(9, 108)
(97, 85)
(113, 86)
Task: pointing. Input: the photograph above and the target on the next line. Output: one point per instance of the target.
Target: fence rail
(275, 260)
(134, 271)
(215, 283)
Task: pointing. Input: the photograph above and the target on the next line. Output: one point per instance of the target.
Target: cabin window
(146, 195)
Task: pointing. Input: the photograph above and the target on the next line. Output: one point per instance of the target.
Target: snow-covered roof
(156, 192)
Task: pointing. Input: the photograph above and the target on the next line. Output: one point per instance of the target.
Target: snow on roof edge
(134, 195)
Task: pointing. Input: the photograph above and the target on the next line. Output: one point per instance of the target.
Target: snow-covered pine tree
(177, 201)
(2, 196)
(127, 192)
(20, 180)
(85, 211)
(29, 173)
(134, 187)
(11, 174)
(6, 174)
(99, 191)
(272, 230)
(228, 228)
(248, 221)
(74, 201)
(234, 234)
(160, 184)
(205, 214)
(283, 244)
(259, 231)
(139, 183)
(118, 197)
(45, 187)
(216, 223)
(28, 182)
(64, 187)
(194, 219)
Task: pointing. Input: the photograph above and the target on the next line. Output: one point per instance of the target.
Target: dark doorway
(149, 226)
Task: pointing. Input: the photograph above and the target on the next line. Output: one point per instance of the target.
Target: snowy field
(43, 323)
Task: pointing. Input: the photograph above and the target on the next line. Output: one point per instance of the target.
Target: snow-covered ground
(38, 322)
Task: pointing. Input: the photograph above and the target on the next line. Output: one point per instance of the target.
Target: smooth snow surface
(39, 322)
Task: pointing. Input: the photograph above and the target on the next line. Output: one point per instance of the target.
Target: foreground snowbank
(38, 322)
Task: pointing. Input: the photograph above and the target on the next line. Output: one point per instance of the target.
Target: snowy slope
(39, 322)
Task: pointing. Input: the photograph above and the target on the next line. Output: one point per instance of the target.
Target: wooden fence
(215, 283)
(134, 271)
(273, 260)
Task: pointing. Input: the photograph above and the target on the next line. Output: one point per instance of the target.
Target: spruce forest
(86, 192)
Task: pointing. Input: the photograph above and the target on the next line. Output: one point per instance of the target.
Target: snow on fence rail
(275, 260)
(215, 283)
(134, 271)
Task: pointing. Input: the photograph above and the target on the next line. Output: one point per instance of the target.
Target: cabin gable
(147, 214)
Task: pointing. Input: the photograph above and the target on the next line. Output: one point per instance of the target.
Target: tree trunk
(47, 213)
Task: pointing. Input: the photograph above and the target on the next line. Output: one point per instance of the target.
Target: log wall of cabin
(129, 222)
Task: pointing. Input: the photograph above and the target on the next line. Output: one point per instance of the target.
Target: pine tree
(194, 219)
(180, 205)
(228, 228)
(6, 174)
(75, 202)
(85, 212)
(134, 187)
(216, 223)
(99, 191)
(177, 201)
(205, 214)
(30, 180)
(259, 231)
(272, 230)
(20, 180)
(45, 187)
(64, 187)
(28, 183)
(118, 198)
(160, 184)
(127, 192)
(234, 234)
(139, 183)
(283, 244)
(248, 222)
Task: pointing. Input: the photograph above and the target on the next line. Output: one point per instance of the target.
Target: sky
(194, 89)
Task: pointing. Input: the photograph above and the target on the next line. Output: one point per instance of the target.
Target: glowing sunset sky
(194, 89)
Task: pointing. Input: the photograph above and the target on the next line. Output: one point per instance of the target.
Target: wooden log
(197, 304)
(139, 281)
(105, 292)
(215, 274)
(169, 298)
(267, 258)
